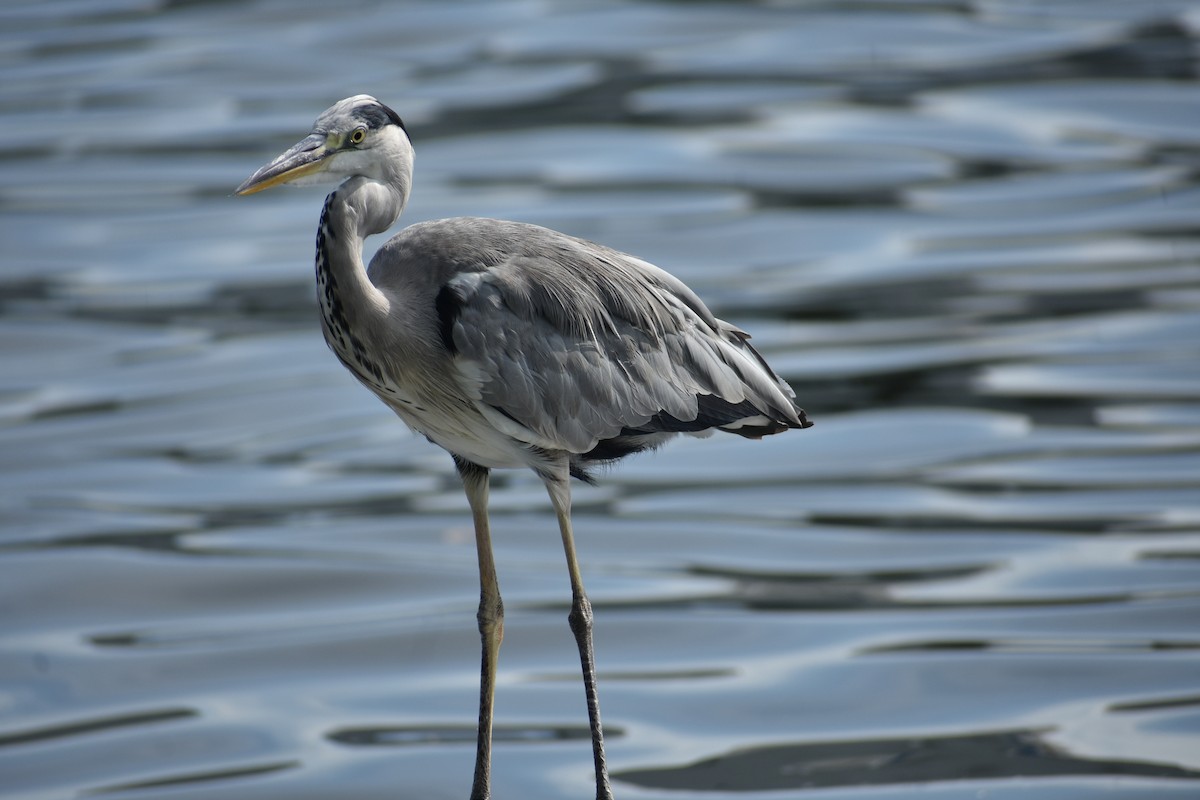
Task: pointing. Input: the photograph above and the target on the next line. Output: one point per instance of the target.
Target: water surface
(965, 232)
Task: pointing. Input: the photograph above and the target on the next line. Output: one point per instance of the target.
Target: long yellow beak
(305, 157)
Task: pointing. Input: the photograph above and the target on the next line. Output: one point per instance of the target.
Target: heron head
(358, 136)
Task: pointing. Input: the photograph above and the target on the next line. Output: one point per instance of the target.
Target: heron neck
(348, 299)
(361, 207)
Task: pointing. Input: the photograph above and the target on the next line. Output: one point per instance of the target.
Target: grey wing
(569, 349)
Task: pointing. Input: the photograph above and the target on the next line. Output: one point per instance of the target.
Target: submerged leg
(491, 621)
(580, 619)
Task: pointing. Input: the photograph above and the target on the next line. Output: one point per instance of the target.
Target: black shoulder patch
(448, 305)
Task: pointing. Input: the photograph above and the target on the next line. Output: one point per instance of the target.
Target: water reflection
(889, 761)
(966, 233)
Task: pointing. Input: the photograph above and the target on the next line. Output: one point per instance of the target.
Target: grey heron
(512, 345)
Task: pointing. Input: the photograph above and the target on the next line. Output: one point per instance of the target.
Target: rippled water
(965, 231)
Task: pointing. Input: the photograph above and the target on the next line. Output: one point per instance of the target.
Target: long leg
(580, 619)
(491, 621)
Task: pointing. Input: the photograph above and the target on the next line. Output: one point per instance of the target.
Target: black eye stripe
(377, 115)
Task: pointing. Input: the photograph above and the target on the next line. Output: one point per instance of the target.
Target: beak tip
(254, 183)
(303, 159)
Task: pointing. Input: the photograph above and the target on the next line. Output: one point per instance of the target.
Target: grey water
(966, 231)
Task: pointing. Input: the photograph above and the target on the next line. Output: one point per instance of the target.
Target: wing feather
(572, 344)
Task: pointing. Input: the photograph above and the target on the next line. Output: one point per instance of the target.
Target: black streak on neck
(338, 332)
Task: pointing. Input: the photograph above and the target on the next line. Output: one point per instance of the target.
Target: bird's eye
(357, 135)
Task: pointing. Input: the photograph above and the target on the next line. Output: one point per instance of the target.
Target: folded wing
(571, 346)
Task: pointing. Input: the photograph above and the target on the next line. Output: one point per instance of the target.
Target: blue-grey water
(967, 231)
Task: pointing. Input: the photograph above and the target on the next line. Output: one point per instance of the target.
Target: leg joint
(580, 618)
(491, 613)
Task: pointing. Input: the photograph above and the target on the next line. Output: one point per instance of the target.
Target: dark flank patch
(614, 448)
(581, 474)
(607, 451)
